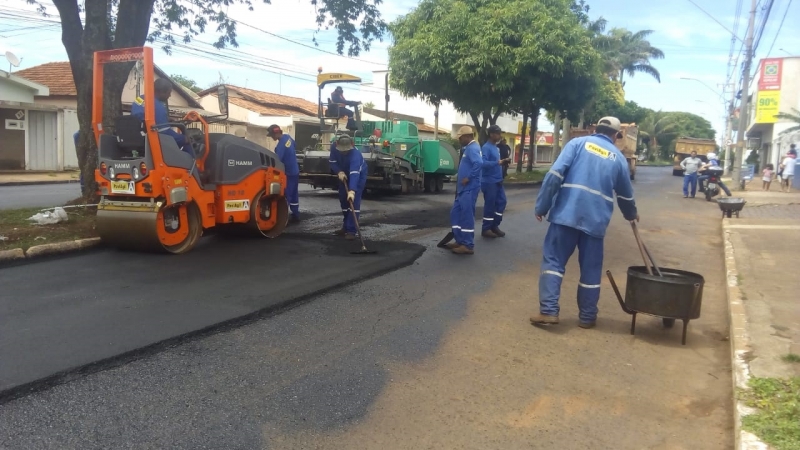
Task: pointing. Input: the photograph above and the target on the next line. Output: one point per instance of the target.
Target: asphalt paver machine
(157, 197)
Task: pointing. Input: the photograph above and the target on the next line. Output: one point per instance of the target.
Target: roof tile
(57, 76)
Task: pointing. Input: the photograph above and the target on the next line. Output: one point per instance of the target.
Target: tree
(608, 101)
(111, 24)
(657, 127)
(625, 52)
(186, 82)
(487, 57)
(369, 105)
(793, 116)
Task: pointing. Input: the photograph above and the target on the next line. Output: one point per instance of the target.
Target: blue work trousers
(292, 196)
(348, 223)
(462, 217)
(494, 204)
(559, 244)
(687, 180)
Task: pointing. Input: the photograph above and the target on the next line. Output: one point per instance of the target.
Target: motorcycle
(712, 185)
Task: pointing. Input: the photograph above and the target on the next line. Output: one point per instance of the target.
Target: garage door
(42, 140)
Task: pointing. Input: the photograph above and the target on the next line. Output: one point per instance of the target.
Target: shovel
(363, 250)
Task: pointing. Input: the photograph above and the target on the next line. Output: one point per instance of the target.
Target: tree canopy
(110, 24)
(488, 57)
(186, 82)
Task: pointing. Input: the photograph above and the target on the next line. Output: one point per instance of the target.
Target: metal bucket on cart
(676, 294)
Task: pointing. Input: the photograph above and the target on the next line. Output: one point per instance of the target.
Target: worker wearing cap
(494, 195)
(285, 150)
(578, 193)
(351, 169)
(462, 216)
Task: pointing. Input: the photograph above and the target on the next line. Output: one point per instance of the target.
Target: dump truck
(626, 142)
(397, 159)
(684, 146)
(156, 196)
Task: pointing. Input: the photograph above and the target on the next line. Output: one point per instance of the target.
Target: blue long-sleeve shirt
(285, 150)
(492, 170)
(352, 164)
(578, 190)
(470, 167)
(162, 117)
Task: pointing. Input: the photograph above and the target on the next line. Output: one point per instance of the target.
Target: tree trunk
(556, 135)
(80, 43)
(522, 141)
(580, 123)
(535, 110)
(480, 125)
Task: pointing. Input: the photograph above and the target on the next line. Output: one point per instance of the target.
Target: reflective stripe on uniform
(589, 286)
(499, 214)
(552, 272)
(587, 189)
(488, 219)
(556, 173)
(625, 198)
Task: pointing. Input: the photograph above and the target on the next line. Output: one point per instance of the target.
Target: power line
(785, 13)
(713, 18)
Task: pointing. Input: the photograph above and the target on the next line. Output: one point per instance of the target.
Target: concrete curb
(34, 183)
(740, 346)
(38, 251)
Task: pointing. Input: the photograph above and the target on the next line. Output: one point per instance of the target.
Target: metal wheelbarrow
(730, 206)
(668, 293)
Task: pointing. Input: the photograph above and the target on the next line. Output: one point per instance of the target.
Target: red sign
(770, 76)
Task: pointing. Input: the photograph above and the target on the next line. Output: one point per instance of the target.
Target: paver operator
(577, 192)
(337, 96)
(462, 216)
(351, 169)
(163, 90)
(494, 195)
(285, 149)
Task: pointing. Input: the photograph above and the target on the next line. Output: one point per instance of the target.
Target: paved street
(38, 195)
(439, 354)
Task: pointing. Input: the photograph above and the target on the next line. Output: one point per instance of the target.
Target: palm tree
(657, 126)
(636, 54)
(793, 116)
(625, 52)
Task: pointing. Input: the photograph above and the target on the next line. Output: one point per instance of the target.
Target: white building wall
(11, 91)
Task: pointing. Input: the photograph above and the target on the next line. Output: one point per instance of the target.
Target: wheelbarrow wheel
(668, 323)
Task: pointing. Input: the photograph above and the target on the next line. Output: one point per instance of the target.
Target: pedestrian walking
(690, 167)
(494, 195)
(505, 153)
(462, 216)
(766, 176)
(352, 172)
(787, 168)
(577, 198)
(285, 149)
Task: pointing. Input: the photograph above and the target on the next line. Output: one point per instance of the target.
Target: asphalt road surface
(38, 195)
(439, 354)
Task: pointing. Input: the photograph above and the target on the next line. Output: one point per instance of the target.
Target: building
(258, 110)
(50, 116)
(22, 122)
(778, 91)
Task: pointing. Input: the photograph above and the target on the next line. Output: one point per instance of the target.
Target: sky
(696, 45)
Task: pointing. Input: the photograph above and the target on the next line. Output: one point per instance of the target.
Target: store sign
(767, 106)
(770, 77)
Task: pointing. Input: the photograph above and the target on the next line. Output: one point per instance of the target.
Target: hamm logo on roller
(600, 151)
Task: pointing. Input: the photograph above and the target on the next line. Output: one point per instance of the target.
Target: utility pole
(745, 104)
(729, 132)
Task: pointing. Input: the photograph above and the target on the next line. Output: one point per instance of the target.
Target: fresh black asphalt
(62, 314)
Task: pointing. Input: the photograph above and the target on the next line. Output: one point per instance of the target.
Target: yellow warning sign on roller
(237, 205)
(123, 187)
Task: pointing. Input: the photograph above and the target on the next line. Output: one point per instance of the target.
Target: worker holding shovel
(352, 172)
(578, 193)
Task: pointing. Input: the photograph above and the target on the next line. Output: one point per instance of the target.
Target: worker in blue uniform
(337, 96)
(285, 149)
(462, 216)
(349, 165)
(577, 192)
(163, 90)
(494, 195)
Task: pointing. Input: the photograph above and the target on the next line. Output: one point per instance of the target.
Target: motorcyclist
(713, 161)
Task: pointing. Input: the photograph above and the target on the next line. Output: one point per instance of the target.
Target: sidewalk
(18, 178)
(761, 252)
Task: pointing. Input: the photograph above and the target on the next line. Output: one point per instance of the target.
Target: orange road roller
(156, 196)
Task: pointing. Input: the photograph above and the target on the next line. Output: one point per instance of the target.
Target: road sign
(728, 142)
